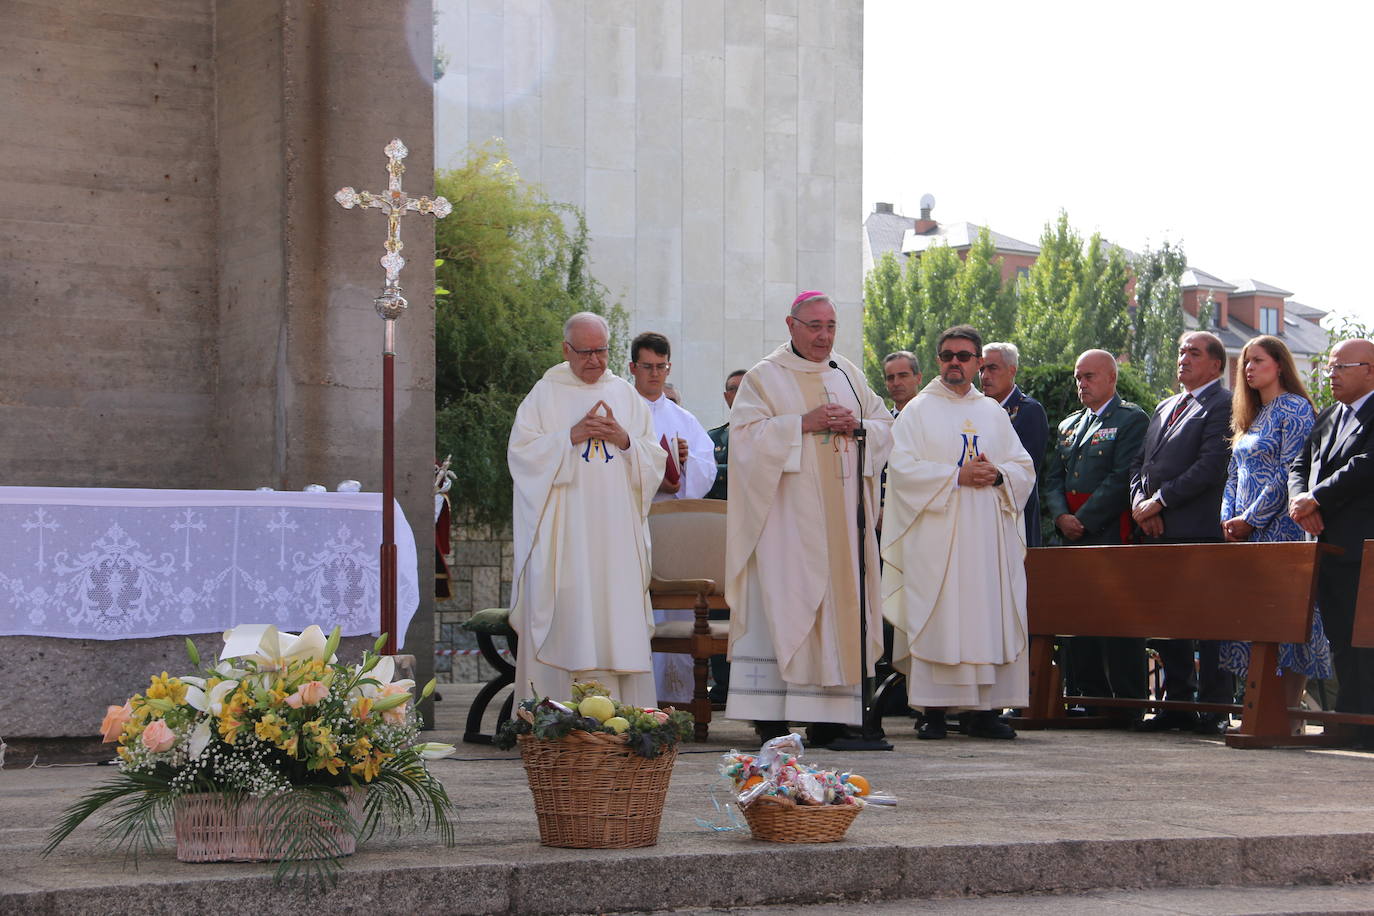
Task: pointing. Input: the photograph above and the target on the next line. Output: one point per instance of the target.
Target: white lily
(434, 750)
(200, 738)
(195, 696)
(193, 681)
(271, 648)
(214, 703)
(383, 673)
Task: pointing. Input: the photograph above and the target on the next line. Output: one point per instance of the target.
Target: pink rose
(116, 717)
(157, 737)
(307, 694)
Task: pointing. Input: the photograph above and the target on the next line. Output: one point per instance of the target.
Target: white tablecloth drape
(120, 564)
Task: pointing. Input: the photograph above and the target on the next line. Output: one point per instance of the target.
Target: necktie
(1082, 430)
(1179, 408)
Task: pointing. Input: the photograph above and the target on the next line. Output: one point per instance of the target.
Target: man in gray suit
(1177, 483)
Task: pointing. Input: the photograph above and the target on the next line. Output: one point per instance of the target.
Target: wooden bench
(1262, 593)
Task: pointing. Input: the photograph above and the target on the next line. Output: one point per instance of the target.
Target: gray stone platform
(1050, 812)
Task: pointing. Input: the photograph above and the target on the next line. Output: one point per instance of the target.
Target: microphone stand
(871, 736)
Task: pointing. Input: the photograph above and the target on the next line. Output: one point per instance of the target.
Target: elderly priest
(954, 582)
(586, 464)
(792, 538)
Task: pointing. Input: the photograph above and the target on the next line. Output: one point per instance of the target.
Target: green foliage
(1159, 314)
(887, 316)
(1053, 386)
(907, 309)
(513, 268)
(988, 304)
(1075, 298)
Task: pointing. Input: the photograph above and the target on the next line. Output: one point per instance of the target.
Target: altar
(84, 566)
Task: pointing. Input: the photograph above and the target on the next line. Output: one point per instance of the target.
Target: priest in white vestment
(693, 457)
(586, 463)
(792, 536)
(954, 581)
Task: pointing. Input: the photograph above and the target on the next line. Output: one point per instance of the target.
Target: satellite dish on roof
(927, 201)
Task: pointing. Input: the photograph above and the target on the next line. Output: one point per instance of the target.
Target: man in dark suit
(997, 378)
(1331, 486)
(1177, 484)
(720, 438)
(1087, 491)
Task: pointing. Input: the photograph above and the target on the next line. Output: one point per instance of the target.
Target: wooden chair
(687, 539)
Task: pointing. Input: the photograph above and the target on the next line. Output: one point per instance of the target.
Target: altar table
(125, 564)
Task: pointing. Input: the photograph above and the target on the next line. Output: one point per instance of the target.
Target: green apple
(617, 724)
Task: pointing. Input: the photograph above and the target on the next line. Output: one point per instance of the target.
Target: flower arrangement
(280, 718)
(647, 731)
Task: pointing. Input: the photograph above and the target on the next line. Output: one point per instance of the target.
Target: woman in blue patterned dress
(1271, 416)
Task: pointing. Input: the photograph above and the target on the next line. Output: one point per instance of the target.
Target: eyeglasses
(654, 367)
(729, 388)
(590, 351)
(816, 327)
(989, 367)
(962, 355)
(1331, 369)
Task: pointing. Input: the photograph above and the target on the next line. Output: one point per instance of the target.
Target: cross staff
(390, 304)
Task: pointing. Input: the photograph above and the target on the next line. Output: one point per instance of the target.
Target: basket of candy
(598, 770)
(787, 801)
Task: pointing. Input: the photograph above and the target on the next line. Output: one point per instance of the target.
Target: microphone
(859, 433)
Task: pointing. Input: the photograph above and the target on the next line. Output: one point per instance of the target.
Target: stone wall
(480, 566)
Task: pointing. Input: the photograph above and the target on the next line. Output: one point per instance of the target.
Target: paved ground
(1077, 813)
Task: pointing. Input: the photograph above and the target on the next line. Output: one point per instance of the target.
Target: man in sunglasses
(586, 462)
(792, 537)
(954, 580)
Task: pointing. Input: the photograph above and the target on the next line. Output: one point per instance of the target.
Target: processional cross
(390, 304)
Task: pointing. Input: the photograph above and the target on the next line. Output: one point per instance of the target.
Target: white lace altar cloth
(121, 564)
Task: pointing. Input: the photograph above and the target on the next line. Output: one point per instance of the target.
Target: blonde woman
(1271, 416)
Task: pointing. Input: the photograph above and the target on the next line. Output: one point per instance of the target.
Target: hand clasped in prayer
(980, 472)
(834, 418)
(594, 425)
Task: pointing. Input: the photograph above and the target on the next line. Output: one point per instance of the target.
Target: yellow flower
(167, 688)
(269, 727)
(363, 708)
(361, 748)
(370, 767)
(289, 745)
(229, 727)
(332, 764)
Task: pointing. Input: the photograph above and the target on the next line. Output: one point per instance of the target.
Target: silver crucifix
(390, 304)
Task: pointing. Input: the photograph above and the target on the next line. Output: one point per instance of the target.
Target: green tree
(1044, 317)
(887, 316)
(1159, 314)
(1099, 300)
(936, 302)
(985, 301)
(513, 268)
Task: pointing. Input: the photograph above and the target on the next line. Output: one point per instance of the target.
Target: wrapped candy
(777, 775)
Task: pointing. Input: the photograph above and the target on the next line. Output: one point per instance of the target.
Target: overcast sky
(1240, 130)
